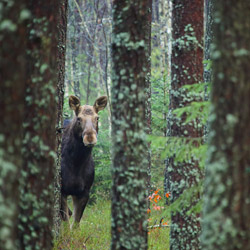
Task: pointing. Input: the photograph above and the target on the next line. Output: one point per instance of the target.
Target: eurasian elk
(77, 165)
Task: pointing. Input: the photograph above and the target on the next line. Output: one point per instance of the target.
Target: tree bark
(148, 113)
(208, 39)
(39, 142)
(129, 54)
(186, 68)
(13, 22)
(227, 188)
(209, 9)
(62, 35)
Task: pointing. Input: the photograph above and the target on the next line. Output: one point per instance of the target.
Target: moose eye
(97, 119)
(79, 119)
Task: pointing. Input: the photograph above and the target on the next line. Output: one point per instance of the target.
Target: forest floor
(94, 232)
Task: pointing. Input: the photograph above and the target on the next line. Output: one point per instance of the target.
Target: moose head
(85, 121)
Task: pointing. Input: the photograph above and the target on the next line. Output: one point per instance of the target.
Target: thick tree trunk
(227, 188)
(129, 54)
(12, 88)
(39, 143)
(186, 68)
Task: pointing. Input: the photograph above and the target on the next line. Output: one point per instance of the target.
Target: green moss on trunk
(39, 142)
(227, 187)
(129, 46)
(186, 68)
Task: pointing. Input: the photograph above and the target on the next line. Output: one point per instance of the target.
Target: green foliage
(159, 104)
(102, 158)
(184, 149)
(187, 198)
(94, 232)
(159, 110)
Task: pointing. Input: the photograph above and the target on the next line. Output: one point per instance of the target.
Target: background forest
(88, 74)
(172, 158)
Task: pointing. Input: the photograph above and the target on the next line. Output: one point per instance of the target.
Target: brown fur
(77, 169)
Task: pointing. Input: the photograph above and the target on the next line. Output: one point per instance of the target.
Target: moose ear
(100, 103)
(74, 103)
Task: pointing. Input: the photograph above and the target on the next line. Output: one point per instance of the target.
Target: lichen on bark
(129, 224)
(226, 217)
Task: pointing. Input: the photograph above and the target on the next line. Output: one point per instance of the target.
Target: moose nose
(89, 138)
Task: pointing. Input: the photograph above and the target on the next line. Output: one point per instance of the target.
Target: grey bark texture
(129, 55)
(226, 216)
(186, 68)
(12, 89)
(39, 138)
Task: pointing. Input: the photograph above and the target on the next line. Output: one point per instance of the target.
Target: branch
(157, 226)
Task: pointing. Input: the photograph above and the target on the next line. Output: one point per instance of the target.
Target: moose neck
(80, 153)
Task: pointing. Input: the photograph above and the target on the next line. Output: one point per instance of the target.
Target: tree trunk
(62, 26)
(129, 54)
(148, 113)
(186, 68)
(39, 143)
(207, 51)
(208, 39)
(12, 88)
(227, 188)
(75, 47)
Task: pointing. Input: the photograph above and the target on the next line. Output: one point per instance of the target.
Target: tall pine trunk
(62, 35)
(186, 68)
(148, 112)
(227, 188)
(39, 142)
(129, 54)
(12, 87)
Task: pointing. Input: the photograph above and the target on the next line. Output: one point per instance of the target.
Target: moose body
(77, 165)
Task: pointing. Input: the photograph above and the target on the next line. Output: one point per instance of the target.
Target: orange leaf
(156, 192)
(167, 194)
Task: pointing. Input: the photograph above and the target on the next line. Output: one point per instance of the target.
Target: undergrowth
(95, 229)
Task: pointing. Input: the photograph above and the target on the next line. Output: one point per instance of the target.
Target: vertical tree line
(39, 138)
(12, 76)
(226, 216)
(129, 54)
(61, 56)
(33, 48)
(28, 127)
(186, 68)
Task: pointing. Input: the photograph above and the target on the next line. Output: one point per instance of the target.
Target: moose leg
(79, 206)
(64, 208)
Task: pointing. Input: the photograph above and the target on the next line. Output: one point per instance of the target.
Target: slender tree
(148, 113)
(62, 31)
(208, 38)
(13, 22)
(186, 68)
(227, 188)
(39, 142)
(129, 50)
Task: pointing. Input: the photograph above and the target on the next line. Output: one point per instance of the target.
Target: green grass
(158, 238)
(94, 232)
